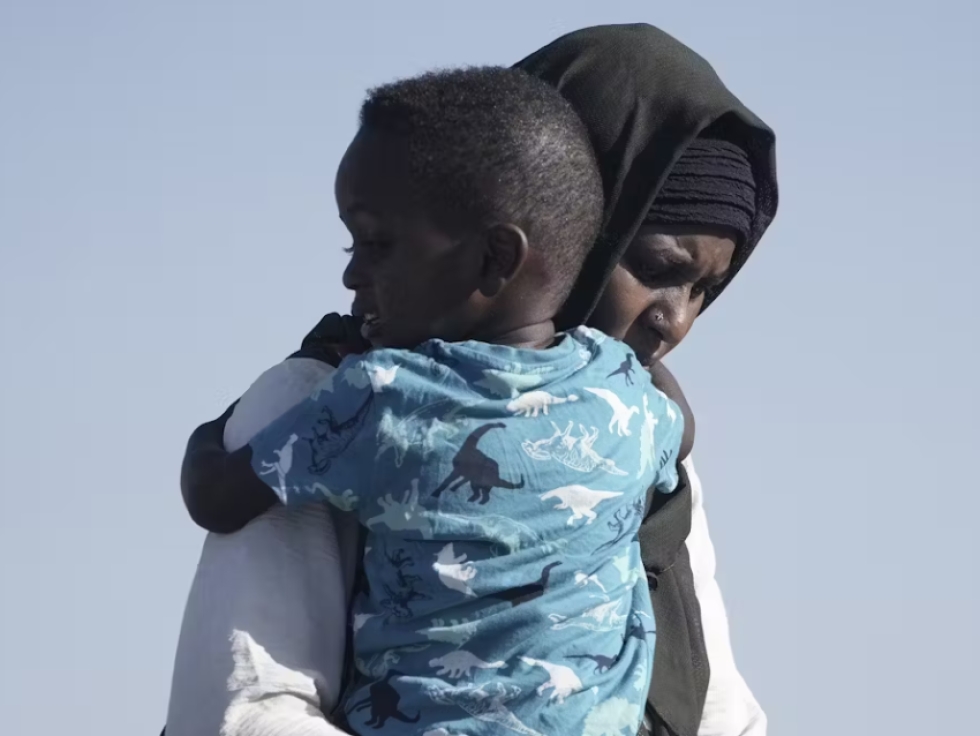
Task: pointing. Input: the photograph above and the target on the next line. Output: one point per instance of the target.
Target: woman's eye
(649, 272)
(702, 287)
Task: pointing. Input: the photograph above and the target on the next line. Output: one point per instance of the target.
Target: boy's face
(412, 280)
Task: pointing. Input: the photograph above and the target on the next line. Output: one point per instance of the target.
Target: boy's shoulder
(583, 356)
(608, 353)
(401, 380)
(616, 374)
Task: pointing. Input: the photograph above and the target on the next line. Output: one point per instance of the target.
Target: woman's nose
(672, 316)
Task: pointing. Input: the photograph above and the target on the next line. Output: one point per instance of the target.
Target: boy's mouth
(370, 325)
(367, 312)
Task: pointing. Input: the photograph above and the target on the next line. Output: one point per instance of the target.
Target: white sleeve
(272, 394)
(261, 647)
(729, 709)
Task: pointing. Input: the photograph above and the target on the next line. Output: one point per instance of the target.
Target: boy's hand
(220, 489)
(664, 380)
(334, 337)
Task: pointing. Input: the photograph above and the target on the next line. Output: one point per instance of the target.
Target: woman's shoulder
(665, 382)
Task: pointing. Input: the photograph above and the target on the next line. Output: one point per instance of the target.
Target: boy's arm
(317, 449)
(664, 380)
(221, 492)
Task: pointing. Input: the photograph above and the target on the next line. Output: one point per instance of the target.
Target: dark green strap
(679, 684)
(337, 716)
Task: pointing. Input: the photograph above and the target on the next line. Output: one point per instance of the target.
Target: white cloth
(730, 708)
(261, 647)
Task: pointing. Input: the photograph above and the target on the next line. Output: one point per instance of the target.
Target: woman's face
(657, 290)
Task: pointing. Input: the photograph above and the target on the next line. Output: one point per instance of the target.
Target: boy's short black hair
(496, 145)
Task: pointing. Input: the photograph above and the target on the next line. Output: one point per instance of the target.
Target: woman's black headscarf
(645, 97)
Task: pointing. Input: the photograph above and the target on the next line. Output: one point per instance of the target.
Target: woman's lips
(645, 345)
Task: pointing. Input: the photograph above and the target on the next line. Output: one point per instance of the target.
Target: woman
(690, 187)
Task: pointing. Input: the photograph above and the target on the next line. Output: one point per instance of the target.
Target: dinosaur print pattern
(648, 447)
(525, 593)
(331, 438)
(382, 700)
(614, 717)
(638, 631)
(584, 579)
(620, 422)
(509, 383)
(400, 595)
(529, 404)
(580, 500)
(345, 500)
(424, 430)
(474, 467)
(455, 631)
(378, 665)
(625, 370)
(404, 515)
(461, 663)
(628, 569)
(500, 490)
(624, 524)
(360, 619)
(576, 453)
(487, 703)
(599, 618)
(282, 465)
(381, 377)
(562, 680)
(602, 663)
(454, 572)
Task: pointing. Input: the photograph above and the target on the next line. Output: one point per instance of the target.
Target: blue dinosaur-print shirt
(502, 491)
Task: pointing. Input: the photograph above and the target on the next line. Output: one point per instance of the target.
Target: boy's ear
(505, 252)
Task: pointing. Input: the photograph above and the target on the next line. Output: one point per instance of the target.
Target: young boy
(484, 453)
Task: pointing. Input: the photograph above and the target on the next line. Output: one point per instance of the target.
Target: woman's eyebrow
(718, 277)
(664, 248)
(674, 255)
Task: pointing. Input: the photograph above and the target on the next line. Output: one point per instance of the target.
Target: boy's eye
(372, 247)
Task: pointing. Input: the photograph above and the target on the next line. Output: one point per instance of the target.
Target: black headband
(711, 184)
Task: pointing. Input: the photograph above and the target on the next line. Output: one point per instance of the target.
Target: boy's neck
(537, 336)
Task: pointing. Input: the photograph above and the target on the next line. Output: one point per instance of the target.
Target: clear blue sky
(167, 231)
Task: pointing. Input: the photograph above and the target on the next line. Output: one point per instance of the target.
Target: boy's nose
(355, 275)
